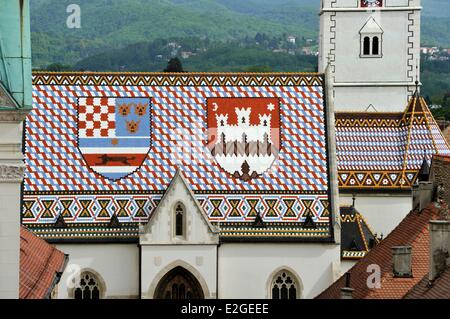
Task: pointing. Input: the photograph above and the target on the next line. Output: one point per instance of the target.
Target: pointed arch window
(179, 220)
(285, 286)
(88, 288)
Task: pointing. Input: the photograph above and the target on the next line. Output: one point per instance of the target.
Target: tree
(58, 67)
(174, 65)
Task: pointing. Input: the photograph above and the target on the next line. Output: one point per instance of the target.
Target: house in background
(412, 262)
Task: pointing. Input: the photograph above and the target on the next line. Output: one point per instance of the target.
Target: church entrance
(179, 284)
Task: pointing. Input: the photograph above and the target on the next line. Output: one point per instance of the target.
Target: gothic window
(284, 286)
(179, 283)
(88, 288)
(243, 120)
(179, 220)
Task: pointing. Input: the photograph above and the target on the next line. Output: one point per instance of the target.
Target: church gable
(179, 219)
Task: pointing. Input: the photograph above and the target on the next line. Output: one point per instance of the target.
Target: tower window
(366, 46)
(371, 39)
(375, 44)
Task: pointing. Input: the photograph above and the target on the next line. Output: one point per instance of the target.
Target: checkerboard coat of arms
(244, 134)
(114, 134)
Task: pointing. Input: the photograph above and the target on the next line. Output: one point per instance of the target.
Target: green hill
(107, 24)
(112, 24)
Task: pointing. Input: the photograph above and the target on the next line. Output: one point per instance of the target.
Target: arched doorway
(179, 284)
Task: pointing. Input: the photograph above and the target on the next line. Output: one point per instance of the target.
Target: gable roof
(371, 26)
(412, 231)
(357, 239)
(386, 150)
(41, 266)
(286, 191)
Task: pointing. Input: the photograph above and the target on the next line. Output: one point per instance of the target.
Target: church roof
(41, 266)
(356, 236)
(76, 185)
(386, 150)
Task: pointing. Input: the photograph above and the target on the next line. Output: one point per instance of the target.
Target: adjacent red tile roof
(40, 264)
(412, 231)
(438, 289)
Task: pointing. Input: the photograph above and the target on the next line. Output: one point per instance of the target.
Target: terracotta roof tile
(438, 289)
(40, 263)
(413, 231)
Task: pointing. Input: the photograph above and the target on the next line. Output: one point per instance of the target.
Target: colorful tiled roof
(412, 231)
(386, 150)
(41, 266)
(356, 236)
(72, 173)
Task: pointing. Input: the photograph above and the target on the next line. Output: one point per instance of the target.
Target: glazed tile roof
(412, 231)
(41, 265)
(386, 150)
(356, 236)
(76, 166)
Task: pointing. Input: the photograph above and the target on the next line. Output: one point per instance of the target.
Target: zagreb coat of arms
(244, 134)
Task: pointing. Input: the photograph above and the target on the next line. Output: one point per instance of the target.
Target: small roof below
(357, 239)
(6, 100)
(41, 266)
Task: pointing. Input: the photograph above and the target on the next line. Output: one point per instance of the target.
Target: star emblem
(271, 107)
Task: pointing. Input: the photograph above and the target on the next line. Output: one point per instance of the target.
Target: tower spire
(416, 93)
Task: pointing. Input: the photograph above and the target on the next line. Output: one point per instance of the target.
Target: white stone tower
(373, 47)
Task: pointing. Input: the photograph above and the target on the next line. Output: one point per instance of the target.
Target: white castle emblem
(245, 150)
(243, 131)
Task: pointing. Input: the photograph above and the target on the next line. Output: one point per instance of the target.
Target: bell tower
(15, 103)
(373, 48)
